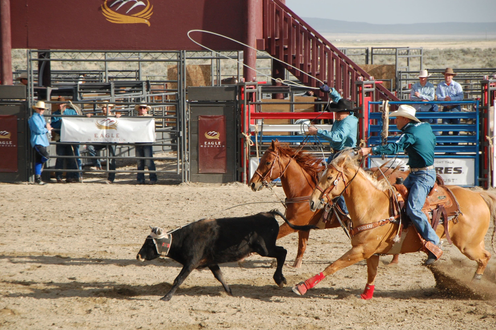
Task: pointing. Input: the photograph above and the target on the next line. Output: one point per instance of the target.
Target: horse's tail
(295, 227)
(490, 200)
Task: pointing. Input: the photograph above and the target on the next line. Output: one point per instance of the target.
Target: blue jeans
(452, 121)
(67, 163)
(94, 150)
(145, 150)
(420, 184)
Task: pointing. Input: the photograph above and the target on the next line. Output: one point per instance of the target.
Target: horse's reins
(326, 192)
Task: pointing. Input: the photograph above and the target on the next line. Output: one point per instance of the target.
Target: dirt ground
(68, 261)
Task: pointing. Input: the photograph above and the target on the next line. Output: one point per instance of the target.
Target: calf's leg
(218, 275)
(185, 271)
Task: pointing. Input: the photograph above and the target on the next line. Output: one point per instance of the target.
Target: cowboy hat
(342, 106)
(39, 105)
(423, 74)
(406, 111)
(137, 106)
(23, 75)
(107, 104)
(449, 71)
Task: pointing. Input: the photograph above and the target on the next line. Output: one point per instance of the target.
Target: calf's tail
(295, 227)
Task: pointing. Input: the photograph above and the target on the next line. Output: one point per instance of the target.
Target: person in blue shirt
(450, 90)
(344, 131)
(64, 149)
(424, 91)
(39, 129)
(418, 142)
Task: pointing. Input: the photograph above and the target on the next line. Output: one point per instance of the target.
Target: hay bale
(381, 71)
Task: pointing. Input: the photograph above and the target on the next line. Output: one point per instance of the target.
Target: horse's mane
(351, 161)
(307, 162)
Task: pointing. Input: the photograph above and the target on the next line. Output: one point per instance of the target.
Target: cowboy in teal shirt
(418, 141)
(343, 133)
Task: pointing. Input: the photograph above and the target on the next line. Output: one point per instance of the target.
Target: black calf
(210, 242)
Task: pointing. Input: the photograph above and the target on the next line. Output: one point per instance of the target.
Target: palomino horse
(374, 231)
(298, 173)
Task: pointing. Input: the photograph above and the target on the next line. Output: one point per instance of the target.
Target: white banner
(111, 129)
(454, 171)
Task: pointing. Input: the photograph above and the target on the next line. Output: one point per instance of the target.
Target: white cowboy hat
(424, 74)
(39, 105)
(23, 75)
(107, 104)
(137, 106)
(406, 111)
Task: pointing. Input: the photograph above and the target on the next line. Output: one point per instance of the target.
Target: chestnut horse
(298, 173)
(368, 203)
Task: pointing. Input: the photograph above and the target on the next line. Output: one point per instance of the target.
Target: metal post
(6, 44)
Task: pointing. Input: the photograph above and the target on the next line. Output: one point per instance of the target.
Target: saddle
(440, 205)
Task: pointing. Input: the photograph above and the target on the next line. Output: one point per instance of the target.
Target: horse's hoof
(477, 277)
(300, 289)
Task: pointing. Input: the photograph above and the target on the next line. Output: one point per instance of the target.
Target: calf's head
(156, 244)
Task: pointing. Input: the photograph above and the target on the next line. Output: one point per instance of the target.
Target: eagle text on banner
(8, 143)
(108, 130)
(212, 151)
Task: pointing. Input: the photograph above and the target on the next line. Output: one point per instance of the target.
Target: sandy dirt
(68, 261)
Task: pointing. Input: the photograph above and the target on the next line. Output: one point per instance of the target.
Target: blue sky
(397, 11)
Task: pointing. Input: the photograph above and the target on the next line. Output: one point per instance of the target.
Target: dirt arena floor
(68, 261)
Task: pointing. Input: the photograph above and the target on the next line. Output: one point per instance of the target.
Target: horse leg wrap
(302, 287)
(368, 293)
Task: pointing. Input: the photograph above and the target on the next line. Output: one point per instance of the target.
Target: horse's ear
(275, 144)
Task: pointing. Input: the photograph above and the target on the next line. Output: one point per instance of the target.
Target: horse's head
(269, 168)
(332, 182)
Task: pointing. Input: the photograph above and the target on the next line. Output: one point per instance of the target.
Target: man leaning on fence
(424, 91)
(450, 90)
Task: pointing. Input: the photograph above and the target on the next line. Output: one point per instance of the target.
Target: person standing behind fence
(145, 150)
(450, 90)
(39, 140)
(94, 150)
(424, 91)
(63, 149)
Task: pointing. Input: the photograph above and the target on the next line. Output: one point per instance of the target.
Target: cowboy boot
(37, 180)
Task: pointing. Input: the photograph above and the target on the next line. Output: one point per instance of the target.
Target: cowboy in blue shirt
(418, 141)
(424, 91)
(39, 140)
(450, 90)
(343, 133)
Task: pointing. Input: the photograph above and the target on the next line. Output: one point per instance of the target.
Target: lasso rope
(287, 82)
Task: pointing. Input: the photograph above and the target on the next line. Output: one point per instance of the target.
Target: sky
(397, 11)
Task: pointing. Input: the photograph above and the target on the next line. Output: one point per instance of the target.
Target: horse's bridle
(325, 192)
(269, 172)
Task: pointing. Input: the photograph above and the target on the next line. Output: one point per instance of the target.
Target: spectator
(450, 90)
(145, 150)
(94, 150)
(39, 140)
(344, 131)
(63, 149)
(424, 91)
(23, 78)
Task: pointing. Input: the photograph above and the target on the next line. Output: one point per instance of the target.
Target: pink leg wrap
(313, 281)
(302, 287)
(368, 292)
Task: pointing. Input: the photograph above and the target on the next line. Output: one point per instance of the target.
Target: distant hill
(336, 26)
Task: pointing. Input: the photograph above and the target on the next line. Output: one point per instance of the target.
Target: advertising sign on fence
(108, 130)
(8, 143)
(212, 151)
(454, 171)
